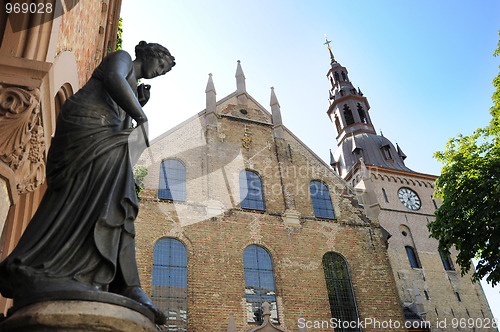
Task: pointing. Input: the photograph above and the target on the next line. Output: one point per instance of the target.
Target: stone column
(23, 146)
(22, 139)
(22, 155)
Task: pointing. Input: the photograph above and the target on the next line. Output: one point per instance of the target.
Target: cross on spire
(327, 43)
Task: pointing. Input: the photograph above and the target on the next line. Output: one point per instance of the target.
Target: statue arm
(115, 82)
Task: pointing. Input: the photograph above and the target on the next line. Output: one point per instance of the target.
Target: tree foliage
(469, 187)
(119, 40)
(140, 173)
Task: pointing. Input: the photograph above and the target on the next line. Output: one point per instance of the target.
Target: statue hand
(140, 120)
(143, 93)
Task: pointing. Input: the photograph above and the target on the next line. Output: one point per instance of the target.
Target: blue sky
(426, 67)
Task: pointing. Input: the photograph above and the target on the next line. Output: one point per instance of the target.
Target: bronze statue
(81, 239)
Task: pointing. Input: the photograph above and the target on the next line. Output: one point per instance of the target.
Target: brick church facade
(236, 211)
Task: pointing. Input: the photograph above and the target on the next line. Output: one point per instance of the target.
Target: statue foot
(137, 294)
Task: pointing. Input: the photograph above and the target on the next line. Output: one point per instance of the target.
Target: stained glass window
(169, 282)
(172, 180)
(259, 283)
(251, 191)
(340, 293)
(322, 203)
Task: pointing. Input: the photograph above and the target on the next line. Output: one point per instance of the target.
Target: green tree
(119, 40)
(469, 187)
(140, 173)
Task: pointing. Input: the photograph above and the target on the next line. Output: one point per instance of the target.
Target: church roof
(370, 147)
(230, 106)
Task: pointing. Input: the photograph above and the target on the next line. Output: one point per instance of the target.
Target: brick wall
(82, 32)
(213, 157)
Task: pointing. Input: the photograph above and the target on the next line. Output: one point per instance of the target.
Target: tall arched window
(349, 118)
(337, 125)
(336, 75)
(259, 283)
(322, 203)
(447, 262)
(339, 287)
(169, 282)
(412, 257)
(385, 195)
(362, 114)
(172, 180)
(251, 191)
(344, 76)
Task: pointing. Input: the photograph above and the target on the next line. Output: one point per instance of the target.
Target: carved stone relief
(22, 145)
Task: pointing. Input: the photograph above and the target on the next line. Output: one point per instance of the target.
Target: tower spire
(276, 115)
(210, 95)
(211, 103)
(240, 79)
(241, 88)
(327, 43)
(348, 107)
(356, 136)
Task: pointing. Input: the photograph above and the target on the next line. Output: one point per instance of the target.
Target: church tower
(429, 283)
(356, 135)
(348, 107)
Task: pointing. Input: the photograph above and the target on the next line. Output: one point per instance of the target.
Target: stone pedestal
(76, 316)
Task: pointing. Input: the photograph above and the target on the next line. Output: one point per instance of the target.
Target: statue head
(156, 59)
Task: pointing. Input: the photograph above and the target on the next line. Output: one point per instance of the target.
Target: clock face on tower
(409, 198)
